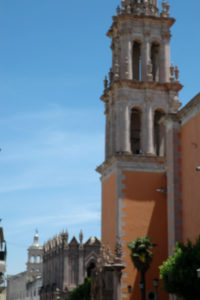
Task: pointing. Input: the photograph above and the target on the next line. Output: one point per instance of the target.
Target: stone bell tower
(142, 88)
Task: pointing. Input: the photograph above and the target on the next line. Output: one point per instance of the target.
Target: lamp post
(142, 287)
(156, 284)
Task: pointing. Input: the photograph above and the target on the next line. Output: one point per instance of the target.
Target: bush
(82, 292)
(179, 273)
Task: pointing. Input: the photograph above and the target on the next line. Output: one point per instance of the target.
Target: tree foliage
(179, 273)
(141, 253)
(82, 292)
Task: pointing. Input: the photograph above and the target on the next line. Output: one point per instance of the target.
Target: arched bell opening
(136, 130)
(159, 133)
(136, 58)
(155, 52)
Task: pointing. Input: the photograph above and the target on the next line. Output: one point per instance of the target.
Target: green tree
(141, 256)
(179, 273)
(82, 292)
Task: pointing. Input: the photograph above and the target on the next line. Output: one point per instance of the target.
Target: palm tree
(141, 256)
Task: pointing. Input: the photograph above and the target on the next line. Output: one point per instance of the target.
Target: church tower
(34, 264)
(142, 88)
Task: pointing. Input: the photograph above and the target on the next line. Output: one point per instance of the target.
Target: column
(107, 133)
(112, 132)
(117, 286)
(147, 129)
(145, 56)
(129, 60)
(118, 147)
(164, 58)
(122, 128)
(126, 131)
(125, 60)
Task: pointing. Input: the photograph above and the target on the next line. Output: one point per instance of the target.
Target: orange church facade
(150, 185)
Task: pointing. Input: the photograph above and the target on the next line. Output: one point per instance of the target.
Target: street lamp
(156, 284)
(161, 190)
(198, 273)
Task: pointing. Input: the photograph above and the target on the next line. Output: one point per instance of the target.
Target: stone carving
(176, 74)
(147, 8)
(165, 9)
(118, 10)
(105, 83)
(106, 277)
(116, 73)
(172, 70)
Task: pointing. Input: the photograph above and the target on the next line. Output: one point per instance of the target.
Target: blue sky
(53, 58)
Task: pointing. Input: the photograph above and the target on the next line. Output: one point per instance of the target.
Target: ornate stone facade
(66, 264)
(106, 276)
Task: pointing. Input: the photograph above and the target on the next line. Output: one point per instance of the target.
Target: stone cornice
(140, 19)
(192, 106)
(136, 160)
(168, 86)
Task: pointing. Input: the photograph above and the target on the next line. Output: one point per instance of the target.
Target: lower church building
(66, 264)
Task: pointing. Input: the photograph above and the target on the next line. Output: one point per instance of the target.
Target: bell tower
(142, 87)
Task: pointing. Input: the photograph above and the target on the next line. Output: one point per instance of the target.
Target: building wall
(3, 295)
(145, 213)
(16, 286)
(190, 134)
(109, 210)
(33, 289)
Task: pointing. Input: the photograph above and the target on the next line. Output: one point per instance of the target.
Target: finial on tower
(36, 238)
(81, 237)
(165, 9)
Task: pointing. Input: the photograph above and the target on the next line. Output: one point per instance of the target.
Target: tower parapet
(139, 7)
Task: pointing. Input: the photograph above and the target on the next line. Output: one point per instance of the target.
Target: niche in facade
(90, 268)
(155, 61)
(159, 134)
(136, 61)
(135, 131)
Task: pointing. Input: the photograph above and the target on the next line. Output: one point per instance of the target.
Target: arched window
(159, 134)
(136, 61)
(155, 61)
(135, 131)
